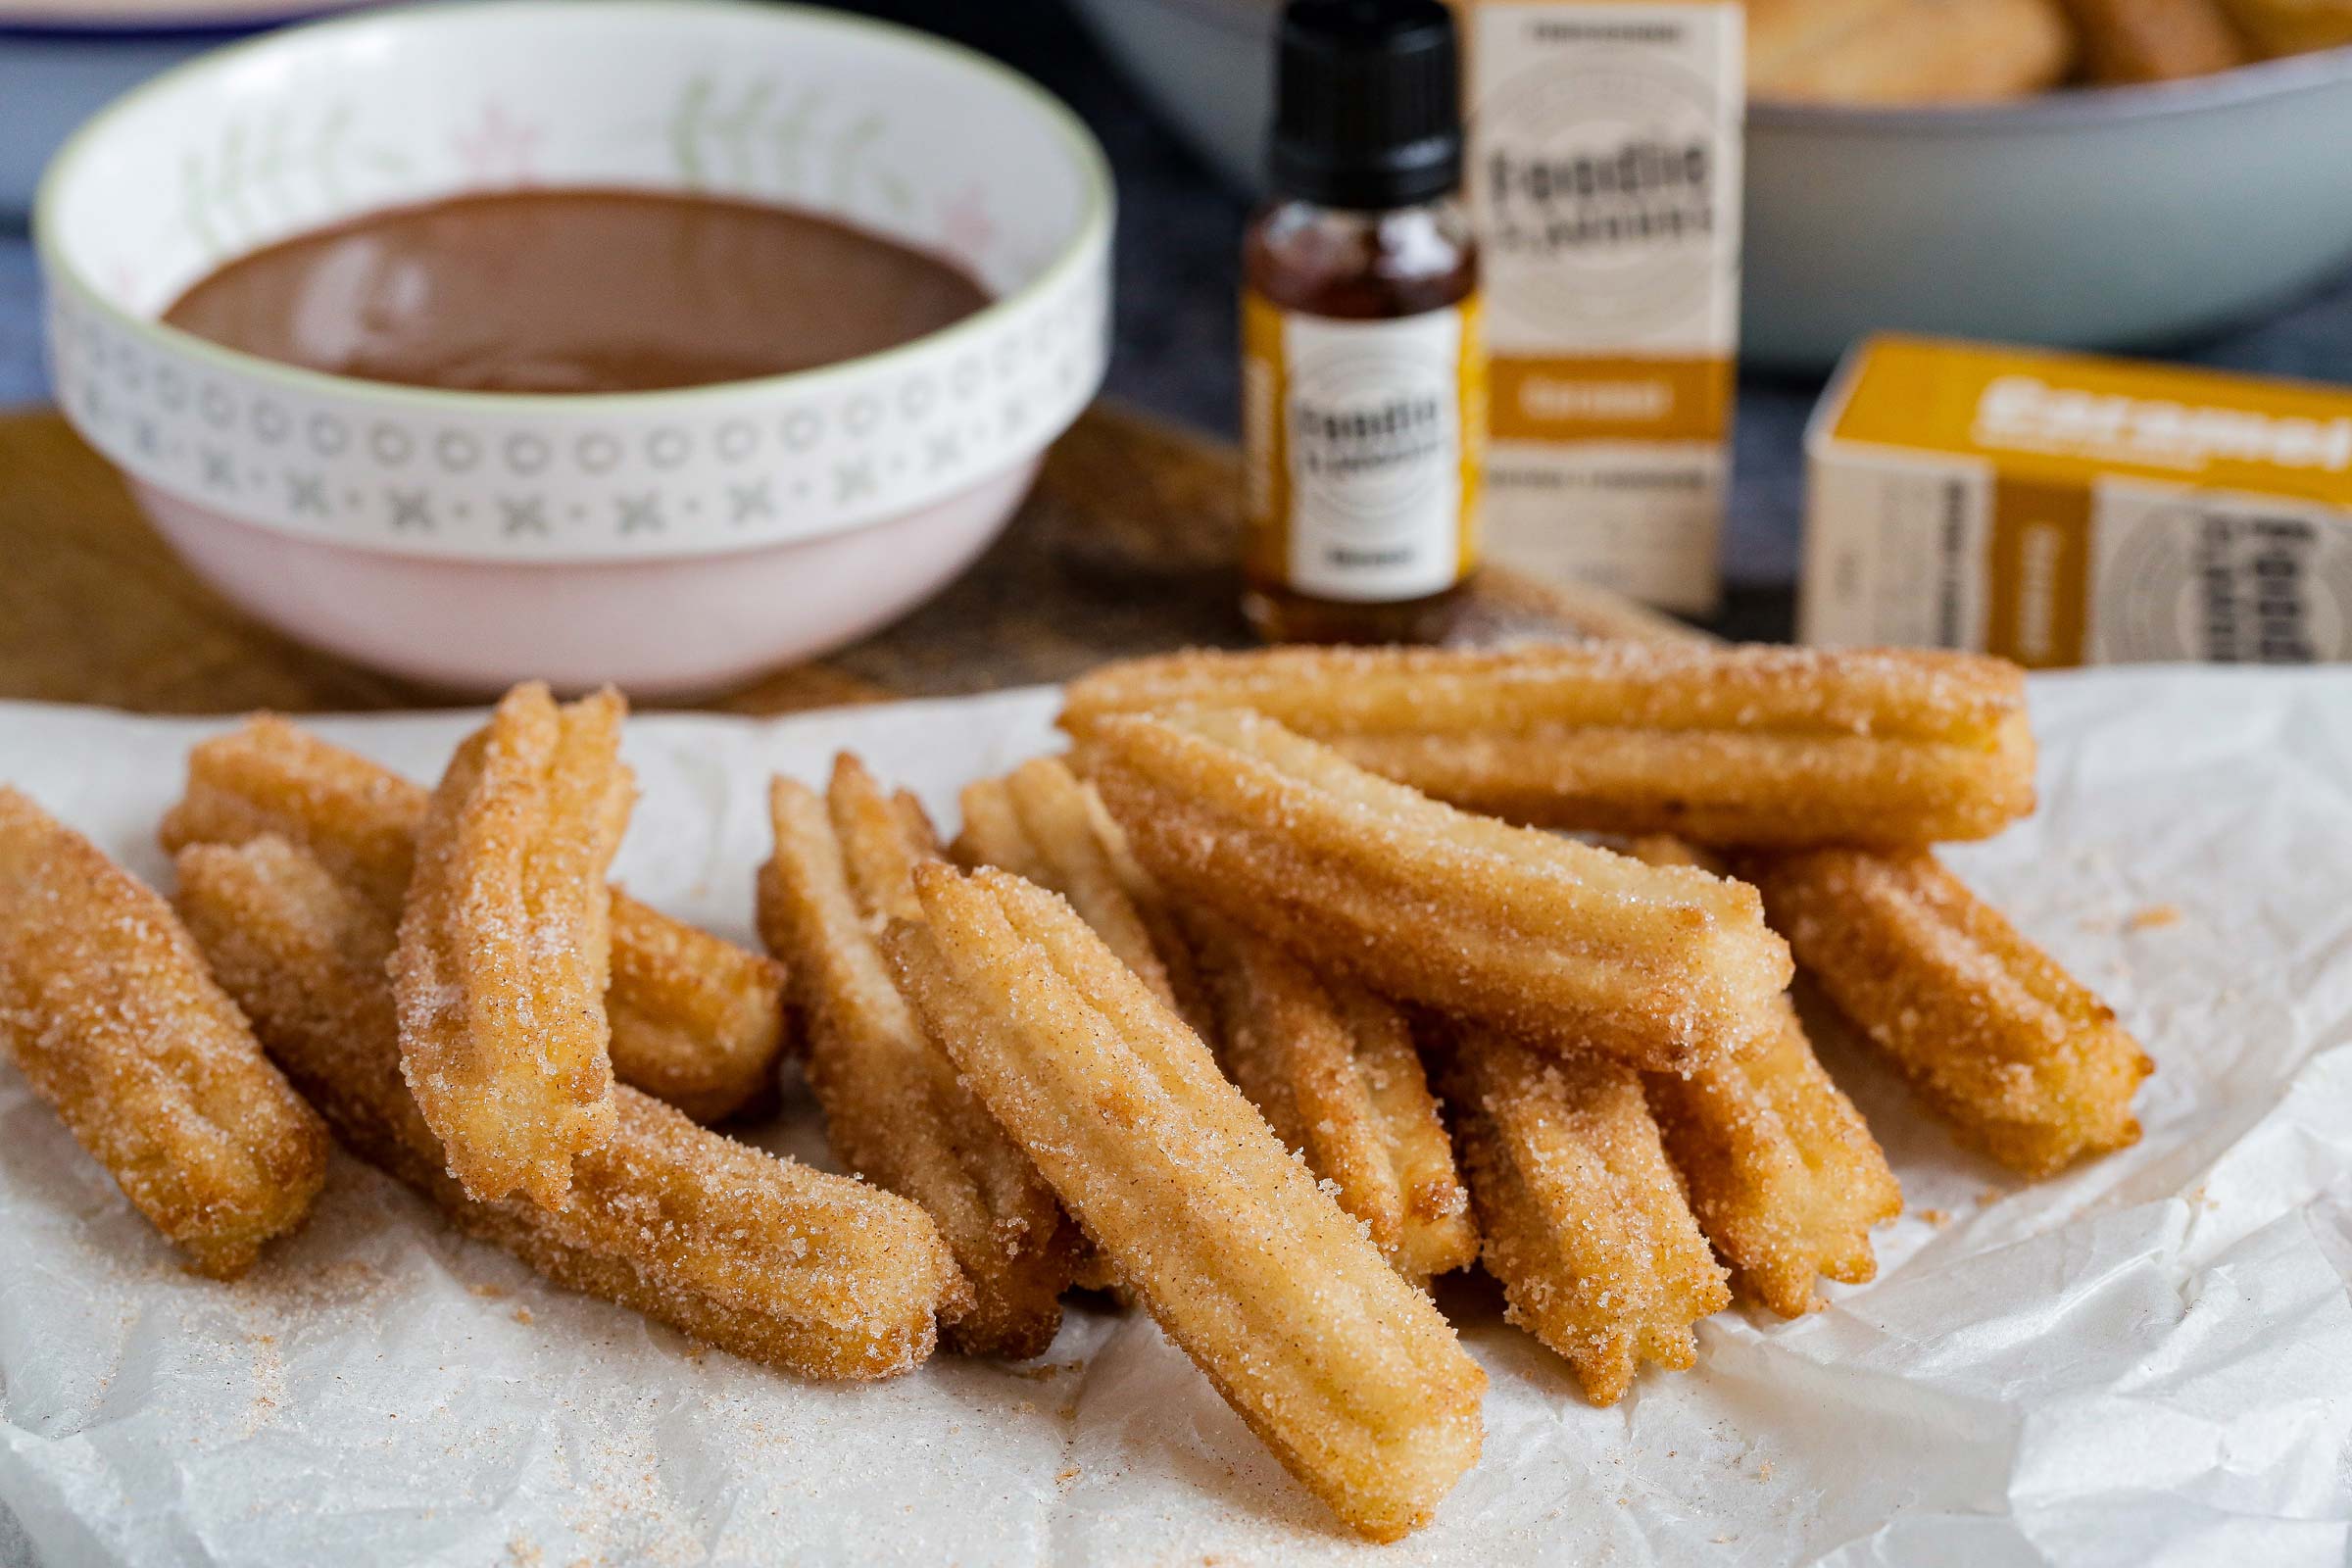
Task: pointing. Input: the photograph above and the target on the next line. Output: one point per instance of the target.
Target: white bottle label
(1360, 436)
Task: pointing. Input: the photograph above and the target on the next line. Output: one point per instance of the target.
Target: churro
(1661, 966)
(1046, 826)
(1346, 1372)
(1034, 823)
(2155, 40)
(895, 1111)
(1780, 1167)
(1585, 1224)
(505, 946)
(2292, 27)
(1906, 51)
(107, 1011)
(1749, 745)
(817, 1274)
(696, 1021)
(1043, 823)
(1991, 1030)
(1332, 1069)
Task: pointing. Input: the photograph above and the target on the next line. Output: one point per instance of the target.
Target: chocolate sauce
(576, 291)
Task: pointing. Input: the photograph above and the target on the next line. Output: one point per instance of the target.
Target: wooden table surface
(1126, 547)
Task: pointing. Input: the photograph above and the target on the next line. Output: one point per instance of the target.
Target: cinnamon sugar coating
(696, 1021)
(1758, 745)
(895, 1111)
(2027, 1063)
(1780, 1167)
(107, 1011)
(1568, 945)
(1332, 1069)
(765, 1258)
(1346, 1371)
(1043, 823)
(504, 948)
(1585, 1226)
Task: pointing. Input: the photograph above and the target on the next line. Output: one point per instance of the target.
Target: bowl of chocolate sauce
(655, 343)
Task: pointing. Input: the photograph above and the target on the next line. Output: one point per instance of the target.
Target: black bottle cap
(1367, 104)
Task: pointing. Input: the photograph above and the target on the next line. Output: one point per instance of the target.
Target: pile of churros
(1303, 978)
(1947, 51)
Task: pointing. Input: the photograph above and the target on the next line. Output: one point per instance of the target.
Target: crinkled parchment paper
(2146, 1361)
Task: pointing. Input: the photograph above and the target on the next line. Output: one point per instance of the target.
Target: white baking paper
(2146, 1361)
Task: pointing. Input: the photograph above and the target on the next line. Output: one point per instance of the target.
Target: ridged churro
(1043, 823)
(895, 1111)
(816, 1274)
(1346, 1371)
(1332, 1069)
(1583, 1221)
(2155, 40)
(1046, 825)
(1750, 745)
(107, 1011)
(1992, 1031)
(697, 1021)
(1034, 823)
(1663, 968)
(504, 949)
(1780, 1167)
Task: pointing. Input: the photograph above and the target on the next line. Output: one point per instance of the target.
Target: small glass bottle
(1363, 395)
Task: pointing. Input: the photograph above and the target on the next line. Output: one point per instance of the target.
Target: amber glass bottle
(1363, 396)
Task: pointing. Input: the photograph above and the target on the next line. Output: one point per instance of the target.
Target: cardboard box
(1604, 175)
(2060, 509)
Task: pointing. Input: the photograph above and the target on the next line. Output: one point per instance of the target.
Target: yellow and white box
(1604, 171)
(2060, 509)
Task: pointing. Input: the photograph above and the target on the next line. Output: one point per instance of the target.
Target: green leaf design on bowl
(719, 134)
(267, 178)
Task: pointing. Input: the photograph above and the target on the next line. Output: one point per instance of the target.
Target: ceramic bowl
(2110, 218)
(670, 541)
(2121, 218)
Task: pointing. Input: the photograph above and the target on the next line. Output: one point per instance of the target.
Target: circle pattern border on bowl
(852, 451)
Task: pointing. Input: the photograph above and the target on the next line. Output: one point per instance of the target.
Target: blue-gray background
(1178, 229)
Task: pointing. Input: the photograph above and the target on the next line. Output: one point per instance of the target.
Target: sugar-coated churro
(1992, 1031)
(1662, 966)
(1034, 823)
(505, 946)
(894, 1109)
(696, 1021)
(1334, 1071)
(107, 1011)
(1583, 1221)
(1046, 826)
(1780, 1170)
(1346, 1371)
(1724, 744)
(767, 1258)
(1043, 823)
(1780, 1167)
(1162, 920)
